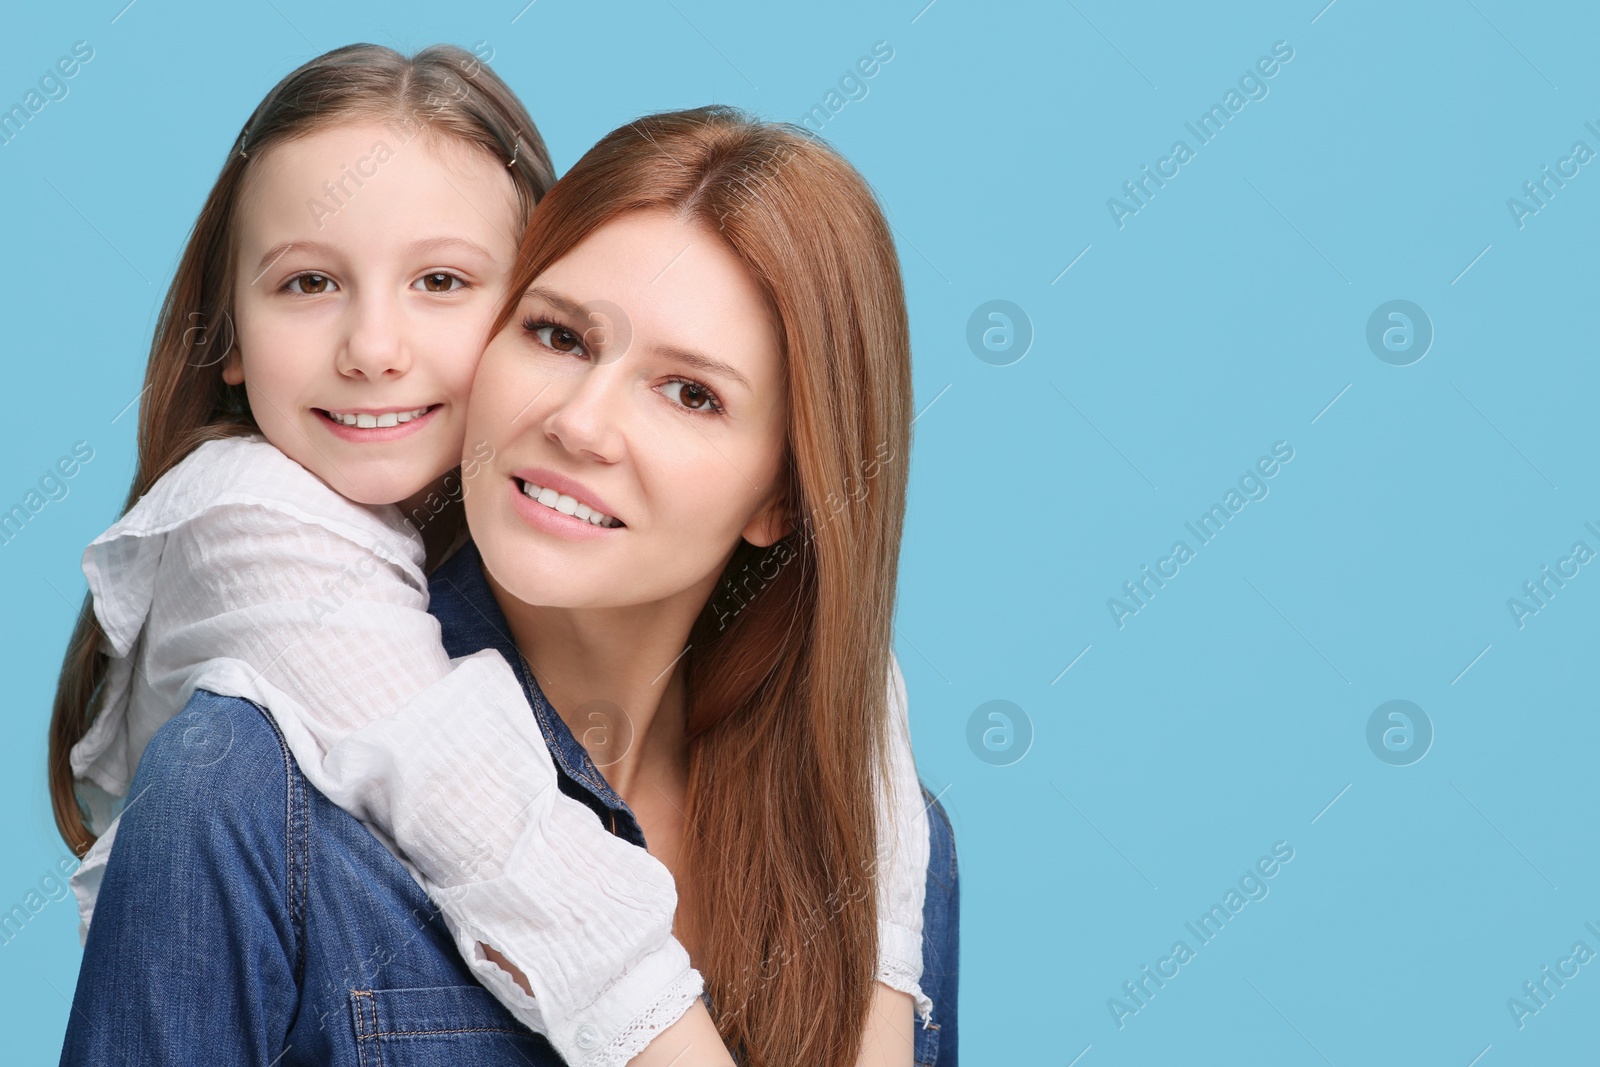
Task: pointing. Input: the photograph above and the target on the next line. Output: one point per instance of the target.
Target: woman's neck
(614, 677)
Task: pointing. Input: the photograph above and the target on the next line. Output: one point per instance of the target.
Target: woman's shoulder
(213, 789)
(223, 750)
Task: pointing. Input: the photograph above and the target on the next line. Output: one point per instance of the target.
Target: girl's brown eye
(564, 340)
(438, 283)
(311, 284)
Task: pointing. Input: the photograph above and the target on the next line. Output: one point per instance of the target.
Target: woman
(707, 342)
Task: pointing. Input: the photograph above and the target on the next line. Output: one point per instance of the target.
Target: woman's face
(370, 268)
(640, 377)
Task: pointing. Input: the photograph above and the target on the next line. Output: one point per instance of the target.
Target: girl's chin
(376, 493)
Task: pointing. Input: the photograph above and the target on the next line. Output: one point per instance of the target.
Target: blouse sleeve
(902, 855)
(327, 627)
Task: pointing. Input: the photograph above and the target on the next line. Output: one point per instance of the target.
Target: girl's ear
(233, 368)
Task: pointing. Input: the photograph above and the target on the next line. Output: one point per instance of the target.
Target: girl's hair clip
(243, 137)
(514, 151)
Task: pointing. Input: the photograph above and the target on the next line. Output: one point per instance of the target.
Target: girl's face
(370, 267)
(641, 376)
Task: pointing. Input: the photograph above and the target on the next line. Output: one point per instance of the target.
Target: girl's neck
(614, 676)
(435, 512)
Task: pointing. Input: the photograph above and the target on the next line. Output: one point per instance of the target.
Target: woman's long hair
(788, 666)
(443, 91)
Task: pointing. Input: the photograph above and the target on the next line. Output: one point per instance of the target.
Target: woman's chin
(532, 573)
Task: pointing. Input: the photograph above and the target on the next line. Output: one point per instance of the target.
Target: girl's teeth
(567, 505)
(373, 422)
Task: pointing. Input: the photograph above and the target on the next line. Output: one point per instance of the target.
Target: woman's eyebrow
(576, 311)
(703, 363)
(570, 308)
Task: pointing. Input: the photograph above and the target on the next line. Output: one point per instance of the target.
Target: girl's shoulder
(233, 488)
(249, 471)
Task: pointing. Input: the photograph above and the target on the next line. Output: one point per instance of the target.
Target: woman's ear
(233, 368)
(769, 524)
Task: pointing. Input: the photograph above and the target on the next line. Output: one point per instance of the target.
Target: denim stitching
(368, 997)
(460, 1030)
(361, 1025)
(377, 1050)
(951, 831)
(294, 823)
(935, 1060)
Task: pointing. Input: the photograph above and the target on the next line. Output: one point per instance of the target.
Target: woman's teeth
(567, 505)
(374, 422)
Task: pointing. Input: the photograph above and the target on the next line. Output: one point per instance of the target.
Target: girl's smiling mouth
(377, 425)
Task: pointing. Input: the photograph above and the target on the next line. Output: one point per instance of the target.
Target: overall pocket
(925, 1044)
(447, 1025)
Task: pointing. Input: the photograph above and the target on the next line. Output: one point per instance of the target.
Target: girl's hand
(888, 1041)
(505, 965)
(692, 1041)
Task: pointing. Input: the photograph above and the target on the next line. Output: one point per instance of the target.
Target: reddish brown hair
(443, 90)
(787, 673)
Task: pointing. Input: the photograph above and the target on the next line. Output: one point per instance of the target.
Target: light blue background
(1223, 317)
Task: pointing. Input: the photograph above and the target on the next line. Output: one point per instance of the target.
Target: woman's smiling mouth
(567, 505)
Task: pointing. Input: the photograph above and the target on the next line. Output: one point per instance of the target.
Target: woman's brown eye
(312, 284)
(564, 340)
(694, 396)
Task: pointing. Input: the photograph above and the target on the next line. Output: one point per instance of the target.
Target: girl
(311, 371)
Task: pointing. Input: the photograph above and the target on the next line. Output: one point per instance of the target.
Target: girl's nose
(375, 347)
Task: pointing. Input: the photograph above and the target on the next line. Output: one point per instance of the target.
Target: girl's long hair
(443, 91)
(788, 663)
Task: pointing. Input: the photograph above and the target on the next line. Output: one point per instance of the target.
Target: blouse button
(588, 1037)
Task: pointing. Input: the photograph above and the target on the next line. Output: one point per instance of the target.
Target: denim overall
(245, 919)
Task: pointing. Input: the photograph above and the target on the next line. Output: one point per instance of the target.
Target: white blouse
(242, 573)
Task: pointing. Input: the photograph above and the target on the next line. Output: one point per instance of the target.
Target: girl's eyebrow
(573, 310)
(424, 246)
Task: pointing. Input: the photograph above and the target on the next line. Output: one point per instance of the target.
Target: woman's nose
(374, 346)
(588, 416)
